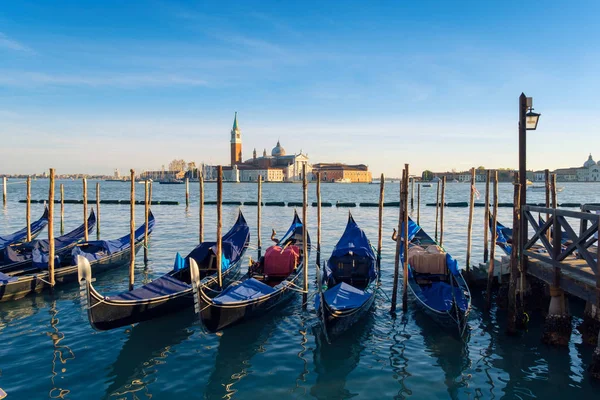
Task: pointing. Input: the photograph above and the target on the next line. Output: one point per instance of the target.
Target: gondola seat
(280, 262)
(427, 261)
(162, 286)
(351, 269)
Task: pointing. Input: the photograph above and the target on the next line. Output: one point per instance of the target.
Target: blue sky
(88, 86)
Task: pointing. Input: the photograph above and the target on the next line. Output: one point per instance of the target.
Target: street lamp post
(528, 120)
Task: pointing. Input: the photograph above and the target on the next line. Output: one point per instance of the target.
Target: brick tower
(236, 143)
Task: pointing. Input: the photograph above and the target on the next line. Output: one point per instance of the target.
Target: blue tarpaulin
(162, 286)
(247, 290)
(97, 249)
(343, 296)
(4, 279)
(438, 296)
(21, 235)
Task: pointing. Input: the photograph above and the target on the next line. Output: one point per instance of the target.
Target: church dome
(278, 150)
(590, 162)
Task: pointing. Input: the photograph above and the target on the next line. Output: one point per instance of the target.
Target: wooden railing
(556, 228)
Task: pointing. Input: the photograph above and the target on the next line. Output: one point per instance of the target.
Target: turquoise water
(49, 350)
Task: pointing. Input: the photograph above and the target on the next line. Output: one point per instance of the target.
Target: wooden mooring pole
(51, 229)
(132, 232)
(397, 256)
(62, 209)
(412, 193)
(442, 206)
(305, 235)
(470, 221)
(219, 225)
(437, 209)
(419, 204)
(486, 217)
(258, 215)
(85, 221)
(493, 243)
(146, 217)
(511, 327)
(4, 191)
(380, 232)
(404, 205)
(98, 210)
(201, 210)
(28, 209)
(187, 192)
(318, 221)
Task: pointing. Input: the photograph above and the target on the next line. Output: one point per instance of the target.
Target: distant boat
(116, 180)
(171, 182)
(539, 188)
(343, 180)
(426, 185)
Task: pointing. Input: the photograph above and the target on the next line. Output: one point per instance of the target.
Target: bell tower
(236, 143)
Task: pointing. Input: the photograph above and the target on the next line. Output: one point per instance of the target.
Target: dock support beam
(594, 368)
(557, 328)
(590, 327)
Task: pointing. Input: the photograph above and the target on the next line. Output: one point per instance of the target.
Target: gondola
(268, 283)
(435, 281)
(35, 253)
(21, 236)
(350, 280)
(170, 293)
(102, 255)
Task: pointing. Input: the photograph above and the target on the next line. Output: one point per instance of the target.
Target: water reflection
(237, 346)
(147, 346)
(335, 361)
(398, 360)
(451, 352)
(61, 354)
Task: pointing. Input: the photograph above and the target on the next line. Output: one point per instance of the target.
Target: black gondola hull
(337, 322)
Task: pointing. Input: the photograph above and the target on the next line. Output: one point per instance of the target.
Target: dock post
(62, 209)
(397, 256)
(51, 229)
(304, 236)
(557, 327)
(590, 327)
(146, 217)
(132, 231)
(150, 193)
(511, 328)
(437, 208)
(219, 224)
(493, 244)
(201, 210)
(486, 217)
(442, 206)
(470, 222)
(187, 192)
(412, 193)
(98, 210)
(594, 368)
(85, 221)
(4, 191)
(419, 204)
(380, 233)
(547, 190)
(404, 204)
(318, 221)
(258, 212)
(28, 209)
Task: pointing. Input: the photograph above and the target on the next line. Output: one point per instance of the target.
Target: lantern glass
(531, 120)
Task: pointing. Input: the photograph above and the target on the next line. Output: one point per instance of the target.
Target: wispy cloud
(11, 44)
(28, 79)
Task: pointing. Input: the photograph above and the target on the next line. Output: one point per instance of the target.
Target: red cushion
(281, 262)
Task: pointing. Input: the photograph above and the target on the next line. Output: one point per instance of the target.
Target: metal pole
(511, 328)
(522, 177)
(132, 232)
(28, 209)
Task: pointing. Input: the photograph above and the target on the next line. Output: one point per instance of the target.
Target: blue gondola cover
(247, 290)
(343, 296)
(354, 242)
(21, 235)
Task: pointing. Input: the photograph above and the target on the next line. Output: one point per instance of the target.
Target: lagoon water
(49, 349)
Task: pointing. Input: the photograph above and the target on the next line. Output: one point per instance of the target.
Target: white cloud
(11, 44)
